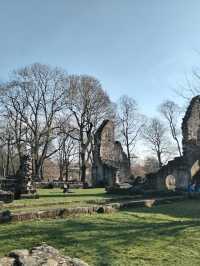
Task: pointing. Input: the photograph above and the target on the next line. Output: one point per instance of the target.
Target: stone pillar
(24, 175)
(22, 182)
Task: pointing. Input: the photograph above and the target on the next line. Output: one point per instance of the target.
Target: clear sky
(143, 48)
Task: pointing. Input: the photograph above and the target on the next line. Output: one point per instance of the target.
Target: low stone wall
(7, 216)
(6, 196)
(57, 184)
(146, 202)
(48, 185)
(30, 196)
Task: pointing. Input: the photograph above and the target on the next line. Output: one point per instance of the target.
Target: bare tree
(131, 123)
(88, 104)
(33, 101)
(150, 165)
(171, 112)
(66, 154)
(68, 147)
(5, 147)
(191, 86)
(154, 133)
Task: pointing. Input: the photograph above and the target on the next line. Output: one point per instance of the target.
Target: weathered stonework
(6, 196)
(22, 182)
(184, 169)
(191, 132)
(177, 169)
(110, 163)
(43, 255)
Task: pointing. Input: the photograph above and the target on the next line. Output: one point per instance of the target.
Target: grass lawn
(55, 197)
(50, 198)
(161, 235)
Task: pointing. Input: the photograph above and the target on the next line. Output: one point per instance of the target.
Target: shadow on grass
(71, 195)
(189, 208)
(96, 238)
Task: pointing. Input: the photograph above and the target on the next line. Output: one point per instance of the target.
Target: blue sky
(142, 48)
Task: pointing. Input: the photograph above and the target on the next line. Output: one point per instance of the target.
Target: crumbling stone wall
(191, 132)
(105, 137)
(122, 159)
(22, 182)
(110, 163)
(183, 169)
(176, 169)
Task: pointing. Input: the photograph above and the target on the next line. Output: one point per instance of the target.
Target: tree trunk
(174, 135)
(8, 158)
(42, 172)
(66, 171)
(83, 168)
(61, 174)
(129, 157)
(37, 163)
(37, 171)
(3, 166)
(12, 166)
(128, 149)
(61, 171)
(159, 159)
(178, 146)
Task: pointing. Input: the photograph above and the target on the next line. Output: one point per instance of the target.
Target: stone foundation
(7, 216)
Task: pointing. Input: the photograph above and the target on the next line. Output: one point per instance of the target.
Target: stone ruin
(6, 197)
(184, 170)
(43, 255)
(110, 163)
(21, 184)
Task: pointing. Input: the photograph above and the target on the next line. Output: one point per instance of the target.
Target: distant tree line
(53, 115)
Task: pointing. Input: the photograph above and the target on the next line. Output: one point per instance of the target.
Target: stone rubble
(43, 255)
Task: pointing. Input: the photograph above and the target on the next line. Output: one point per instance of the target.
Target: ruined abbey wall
(183, 169)
(123, 167)
(110, 163)
(107, 142)
(191, 132)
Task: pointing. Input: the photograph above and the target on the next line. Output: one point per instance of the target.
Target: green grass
(53, 198)
(162, 235)
(56, 195)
